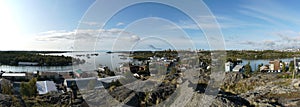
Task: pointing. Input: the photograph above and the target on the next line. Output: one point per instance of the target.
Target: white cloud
(120, 24)
(207, 22)
(272, 12)
(282, 40)
(91, 23)
(85, 39)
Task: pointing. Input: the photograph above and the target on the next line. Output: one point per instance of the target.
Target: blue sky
(80, 24)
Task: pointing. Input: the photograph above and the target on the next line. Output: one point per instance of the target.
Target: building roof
(237, 68)
(78, 71)
(13, 74)
(43, 87)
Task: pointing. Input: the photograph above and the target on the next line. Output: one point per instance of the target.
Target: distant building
(78, 73)
(298, 64)
(14, 76)
(44, 87)
(274, 66)
(238, 68)
(27, 63)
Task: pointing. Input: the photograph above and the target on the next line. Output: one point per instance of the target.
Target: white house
(228, 66)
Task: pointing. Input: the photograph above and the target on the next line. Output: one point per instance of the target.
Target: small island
(36, 58)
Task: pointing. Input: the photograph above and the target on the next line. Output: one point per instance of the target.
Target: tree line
(13, 58)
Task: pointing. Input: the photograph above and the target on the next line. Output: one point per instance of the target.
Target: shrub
(29, 89)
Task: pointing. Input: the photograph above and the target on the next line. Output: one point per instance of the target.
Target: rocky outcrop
(296, 83)
(221, 100)
(270, 91)
(233, 77)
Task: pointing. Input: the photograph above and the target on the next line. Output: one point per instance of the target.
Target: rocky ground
(259, 90)
(48, 100)
(265, 89)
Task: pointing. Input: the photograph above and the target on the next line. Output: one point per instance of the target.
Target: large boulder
(296, 83)
(233, 77)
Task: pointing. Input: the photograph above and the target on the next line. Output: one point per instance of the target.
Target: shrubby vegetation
(29, 89)
(266, 54)
(6, 87)
(248, 69)
(144, 55)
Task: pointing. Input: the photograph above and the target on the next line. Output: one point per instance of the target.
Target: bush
(6, 87)
(29, 89)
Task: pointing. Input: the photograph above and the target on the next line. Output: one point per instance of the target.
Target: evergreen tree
(29, 89)
(283, 67)
(291, 66)
(248, 69)
(258, 67)
(6, 87)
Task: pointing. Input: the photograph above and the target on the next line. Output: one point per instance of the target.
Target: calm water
(113, 61)
(92, 62)
(255, 63)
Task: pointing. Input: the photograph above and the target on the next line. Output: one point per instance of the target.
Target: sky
(122, 25)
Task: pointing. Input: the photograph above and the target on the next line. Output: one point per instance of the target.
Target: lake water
(92, 62)
(113, 61)
(255, 63)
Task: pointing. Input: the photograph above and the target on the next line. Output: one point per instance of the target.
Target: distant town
(66, 88)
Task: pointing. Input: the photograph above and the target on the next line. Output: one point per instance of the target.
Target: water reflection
(93, 60)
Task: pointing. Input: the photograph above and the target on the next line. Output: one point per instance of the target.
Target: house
(238, 68)
(274, 66)
(228, 66)
(44, 87)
